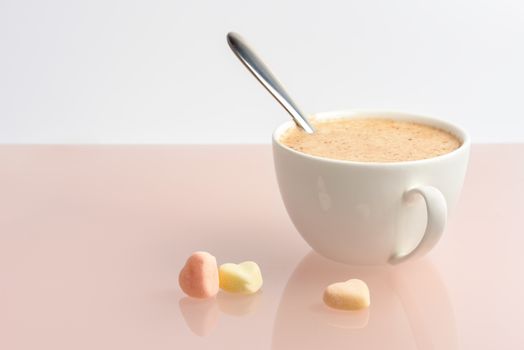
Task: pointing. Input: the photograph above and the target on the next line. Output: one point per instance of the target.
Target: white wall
(159, 71)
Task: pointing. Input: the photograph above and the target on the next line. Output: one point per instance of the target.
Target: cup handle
(436, 208)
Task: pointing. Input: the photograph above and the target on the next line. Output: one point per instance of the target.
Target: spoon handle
(255, 65)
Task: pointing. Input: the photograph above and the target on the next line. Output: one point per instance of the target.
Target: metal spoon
(255, 65)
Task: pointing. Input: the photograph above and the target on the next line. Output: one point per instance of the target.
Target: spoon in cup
(254, 64)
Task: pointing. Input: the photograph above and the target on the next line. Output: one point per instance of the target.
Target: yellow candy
(349, 295)
(244, 278)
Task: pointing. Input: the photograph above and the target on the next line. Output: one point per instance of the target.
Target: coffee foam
(371, 140)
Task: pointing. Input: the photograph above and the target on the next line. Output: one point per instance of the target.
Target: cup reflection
(409, 309)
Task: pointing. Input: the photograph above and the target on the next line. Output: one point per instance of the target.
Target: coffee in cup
(371, 140)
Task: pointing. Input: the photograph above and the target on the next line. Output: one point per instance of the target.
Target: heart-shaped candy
(349, 295)
(199, 276)
(244, 278)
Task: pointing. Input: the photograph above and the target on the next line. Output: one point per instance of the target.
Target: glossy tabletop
(92, 239)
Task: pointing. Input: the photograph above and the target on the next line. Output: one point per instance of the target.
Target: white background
(160, 71)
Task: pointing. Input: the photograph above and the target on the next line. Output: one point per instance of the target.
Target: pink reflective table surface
(92, 239)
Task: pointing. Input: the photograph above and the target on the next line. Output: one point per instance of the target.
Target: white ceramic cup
(367, 213)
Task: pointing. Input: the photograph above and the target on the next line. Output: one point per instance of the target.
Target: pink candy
(199, 276)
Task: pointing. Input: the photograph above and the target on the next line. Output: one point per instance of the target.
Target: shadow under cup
(367, 213)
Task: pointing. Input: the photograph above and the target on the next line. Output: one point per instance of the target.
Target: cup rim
(452, 128)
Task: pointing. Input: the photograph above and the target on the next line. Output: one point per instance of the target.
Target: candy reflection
(201, 315)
